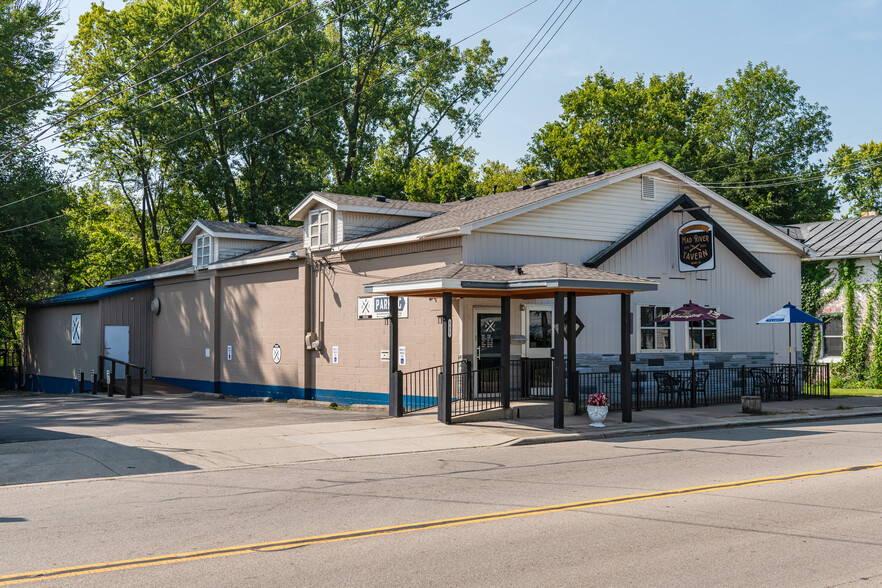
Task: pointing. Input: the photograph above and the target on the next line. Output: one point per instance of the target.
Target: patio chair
(762, 383)
(701, 377)
(666, 385)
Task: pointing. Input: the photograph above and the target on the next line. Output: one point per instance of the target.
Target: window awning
(526, 281)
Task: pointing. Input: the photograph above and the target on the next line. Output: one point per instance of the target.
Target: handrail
(111, 376)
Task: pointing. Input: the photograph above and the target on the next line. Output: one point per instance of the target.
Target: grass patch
(335, 406)
(855, 392)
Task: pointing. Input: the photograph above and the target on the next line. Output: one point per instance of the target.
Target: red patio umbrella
(692, 313)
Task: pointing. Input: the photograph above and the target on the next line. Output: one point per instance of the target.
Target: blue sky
(832, 49)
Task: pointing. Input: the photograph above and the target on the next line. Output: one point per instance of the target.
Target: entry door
(116, 346)
(538, 320)
(488, 349)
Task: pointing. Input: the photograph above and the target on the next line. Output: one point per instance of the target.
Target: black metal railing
(106, 378)
(10, 368)
(702, 387)
(476, 390)
(421, 386)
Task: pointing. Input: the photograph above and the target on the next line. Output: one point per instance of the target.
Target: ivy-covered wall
(852, 288)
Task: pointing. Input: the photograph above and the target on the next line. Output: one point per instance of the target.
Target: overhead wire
(287, 127)
(294, 86)
(195, 70)
(498, 102)
(117, 79)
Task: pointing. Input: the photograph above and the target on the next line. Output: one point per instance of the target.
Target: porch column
(626, 358)
(396, 394)
(445, 385)
(572, 374)
(558, 360)
(505, 351)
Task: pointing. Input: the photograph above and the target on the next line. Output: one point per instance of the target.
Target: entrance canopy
(524, 281)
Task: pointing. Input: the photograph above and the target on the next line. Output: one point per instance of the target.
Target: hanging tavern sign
(695, 241)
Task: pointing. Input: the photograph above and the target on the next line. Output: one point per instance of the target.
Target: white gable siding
(353, 225)
(223, 248)
(609, 213)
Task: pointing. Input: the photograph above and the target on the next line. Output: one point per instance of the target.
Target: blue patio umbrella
(788, 315)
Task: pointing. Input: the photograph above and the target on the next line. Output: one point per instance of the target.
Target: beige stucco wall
(182, 331)
(47, 349)
(360, 341)
(259, 309)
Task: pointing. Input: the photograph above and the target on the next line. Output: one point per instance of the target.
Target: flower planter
(596, 414)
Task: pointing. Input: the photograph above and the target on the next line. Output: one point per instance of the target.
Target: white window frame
(825, 336)
(528, 350)
(202, 250)
(315, 228)
(639, 329)
(699, 326)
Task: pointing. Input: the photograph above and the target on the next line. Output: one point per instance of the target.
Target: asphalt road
(771, 506)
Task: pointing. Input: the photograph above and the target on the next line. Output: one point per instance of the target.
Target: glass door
(538, 322)
(488, 350)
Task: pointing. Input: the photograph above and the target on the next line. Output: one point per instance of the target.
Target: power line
(118, 78)
(498, 102)
(179, 137)
(195, 70)
(283, 129)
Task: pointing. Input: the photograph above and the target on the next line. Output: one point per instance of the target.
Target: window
(202, 252)
(703, 333)
(319, 229)
(832, 332)
(654, 335)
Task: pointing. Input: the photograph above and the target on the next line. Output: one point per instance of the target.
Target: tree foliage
(34, 260)
(858, 176)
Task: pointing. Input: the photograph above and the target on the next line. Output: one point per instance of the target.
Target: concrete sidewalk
(52, 438)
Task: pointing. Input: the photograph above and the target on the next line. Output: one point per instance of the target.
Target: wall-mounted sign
(229, 352)
(335, 354)
(402, 354)
(277, 353)
(695, 241)
(76, 329)
(384, 355)
(377, 307)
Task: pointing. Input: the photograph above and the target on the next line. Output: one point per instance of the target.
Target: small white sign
(384, 355)
(377, 307)
(208, 352)
(277, 353)
(107, 377)
(402, 354)
(335, 354)
(76, 329)
(229, 352)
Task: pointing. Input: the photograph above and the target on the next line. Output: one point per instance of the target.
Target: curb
(294, 401)
(594, 435)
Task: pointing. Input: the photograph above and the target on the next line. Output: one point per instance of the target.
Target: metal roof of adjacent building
(90, 294)
(846, 238)
(177, 265)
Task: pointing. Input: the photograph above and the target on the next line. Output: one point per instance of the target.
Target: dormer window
(319, 229)
(202, 251)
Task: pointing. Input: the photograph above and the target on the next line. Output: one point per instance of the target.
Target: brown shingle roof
(145, 274)
(463, 213)
(245, 230)
(495, 273)
(349, 199)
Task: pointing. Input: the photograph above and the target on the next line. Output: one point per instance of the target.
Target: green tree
(495, 176)
(34, 260)
(858, 177)
(758, 136)
(610, 123)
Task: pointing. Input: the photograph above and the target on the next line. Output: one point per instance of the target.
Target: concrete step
(518, 410)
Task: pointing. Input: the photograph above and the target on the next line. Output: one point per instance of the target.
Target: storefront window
(540, 329)
(703, 334)
(832, 330)
(654, 335)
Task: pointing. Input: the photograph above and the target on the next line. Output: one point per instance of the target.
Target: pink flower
(598, 399)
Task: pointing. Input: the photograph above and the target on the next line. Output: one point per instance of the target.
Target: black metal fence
(476, 390)
(421, 386)
(10, 368)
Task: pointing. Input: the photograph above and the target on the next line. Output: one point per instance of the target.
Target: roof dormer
(215, 241)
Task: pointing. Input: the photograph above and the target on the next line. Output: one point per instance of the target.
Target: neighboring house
(858, 240)
(284, 312)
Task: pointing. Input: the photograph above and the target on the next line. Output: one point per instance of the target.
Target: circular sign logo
(277, 353)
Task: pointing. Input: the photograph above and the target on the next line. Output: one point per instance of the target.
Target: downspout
(308, 370)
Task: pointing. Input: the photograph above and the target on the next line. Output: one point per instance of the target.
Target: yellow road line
(364, 533)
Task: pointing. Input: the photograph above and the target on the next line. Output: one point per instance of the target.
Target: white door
(538, 322)
(116, 346)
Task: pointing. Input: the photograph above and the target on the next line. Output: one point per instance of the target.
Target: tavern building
(305, 312)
